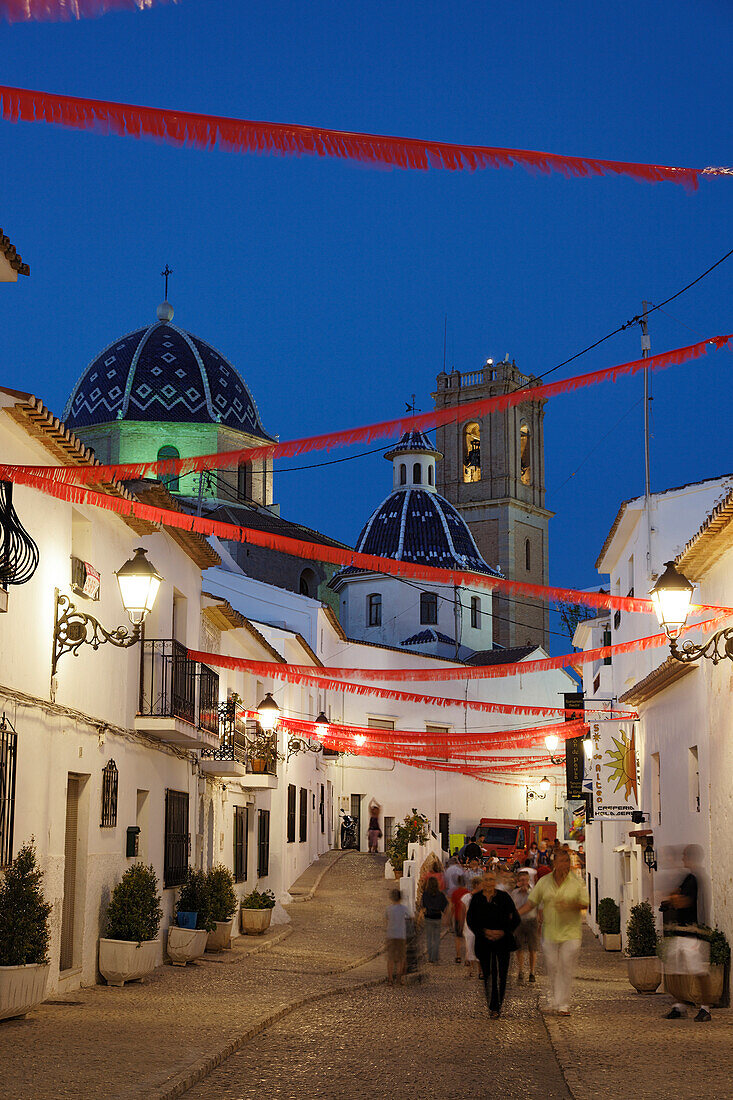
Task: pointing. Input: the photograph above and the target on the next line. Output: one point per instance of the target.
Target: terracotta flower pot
(22, 988)
(220, 939)
(645, 973)
(688, 988)
(186, 944)
(253, 922)
(123, 961)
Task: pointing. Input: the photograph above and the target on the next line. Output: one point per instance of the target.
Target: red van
(511, 837)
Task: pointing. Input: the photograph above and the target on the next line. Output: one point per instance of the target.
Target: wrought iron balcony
(244, 748)
(167, 680)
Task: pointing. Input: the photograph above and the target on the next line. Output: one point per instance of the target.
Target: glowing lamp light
(551, 742)
(544, 784)
(360, 739)
(321, 726)
(588, 747)
(671, 596)
(139, 582)
(268, 713)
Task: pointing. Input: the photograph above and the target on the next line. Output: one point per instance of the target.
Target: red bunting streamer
(77, 494)
(203, 131)
(24, 11)
(496, 739)
(369, 432)
(238, 664)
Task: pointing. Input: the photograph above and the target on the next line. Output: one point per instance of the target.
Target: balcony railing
(243, 741)
(209, 700)
(167, 680)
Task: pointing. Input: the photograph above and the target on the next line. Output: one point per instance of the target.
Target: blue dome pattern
(421, 527)
(413, 441)
(161, 373)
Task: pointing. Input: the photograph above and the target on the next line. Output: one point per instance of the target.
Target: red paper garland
(203, 131)
(24, 11)
(368, 433)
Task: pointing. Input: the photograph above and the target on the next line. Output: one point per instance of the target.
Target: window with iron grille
(109, 796)
(303, 830)
(322, 809)
(8, 756)
(175, 863)
(388, 830)
(263, 843)
(291, 813)
(428, 608)
(241, 829)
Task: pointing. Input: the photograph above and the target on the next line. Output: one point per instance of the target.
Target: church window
(170, 480)
(527, 555)
(244, 481)
(430, 475)
(403, 474)
(417, 474)
(472, 452)
(374, 609)
(428, 608)
(525, 462)
(308, 584)
(475, 612)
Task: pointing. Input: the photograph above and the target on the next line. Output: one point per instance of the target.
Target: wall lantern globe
(268, 713)
(588, 745)
(551, 743)
(321, 726)
(650, 856)
(671, 596)
(545, 784)
(139, 582)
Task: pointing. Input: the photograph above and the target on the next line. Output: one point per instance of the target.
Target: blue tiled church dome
(161, 373)
(423, 527)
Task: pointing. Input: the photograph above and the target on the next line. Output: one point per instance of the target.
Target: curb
(324, 871)
(570, 1074)
(253, 949)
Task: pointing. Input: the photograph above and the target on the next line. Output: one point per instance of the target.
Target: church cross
(165, 273)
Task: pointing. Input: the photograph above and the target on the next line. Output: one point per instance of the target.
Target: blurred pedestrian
(533, 854)
(433, 903)
(453, 872)
(397, 917)
(562, 897)
(469, 940)
(374, 832)
(492, 917)
(527, 934)
(685, 947)
(458, 914)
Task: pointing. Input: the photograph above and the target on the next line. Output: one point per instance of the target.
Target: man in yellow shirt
(563, 897)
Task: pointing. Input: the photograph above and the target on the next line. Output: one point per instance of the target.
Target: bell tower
(494, 474)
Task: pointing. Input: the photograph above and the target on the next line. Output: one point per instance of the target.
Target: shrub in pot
(187, 938)
(413, 830)
(643, 963)
(256, 912)
(130, 949)
(609, 922)
(222, 906)
(24, 934)
(714, 987)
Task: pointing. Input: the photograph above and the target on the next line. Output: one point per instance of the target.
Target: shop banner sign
(613, 769)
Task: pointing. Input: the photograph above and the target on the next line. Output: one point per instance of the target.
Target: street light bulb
(671, 596)
(139, 581)
(544, 783)
(268, 713)
(321, 726)
(360, 739)
(588, 747)
(551, 742)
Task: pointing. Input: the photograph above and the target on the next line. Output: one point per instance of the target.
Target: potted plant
(130, 949)
(714, 988)
(187, 938)
(24, 914)
(643, 963)
(256, 911)
(413, 830)
(719, 968)
(609, 923)
(222, 906)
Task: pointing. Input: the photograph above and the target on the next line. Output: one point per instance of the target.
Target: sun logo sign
(614, 771)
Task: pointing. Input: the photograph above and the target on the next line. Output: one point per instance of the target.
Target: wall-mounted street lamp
(588, 745)
(138, 582)
(551, 743)
(671, 596)
(544, 785)
(268, 713)
(650, 856)
(301, 744)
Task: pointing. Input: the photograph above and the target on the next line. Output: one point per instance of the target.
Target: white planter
(220, 939)
(123, 961)
(645, 973)
(186, 944)
(22, 988)
(612, 941)
(253, 922)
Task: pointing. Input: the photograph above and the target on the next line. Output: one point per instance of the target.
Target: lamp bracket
(300, 744)
(715, 649)
(72, 629)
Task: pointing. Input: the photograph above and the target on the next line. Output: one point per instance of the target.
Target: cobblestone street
(310, 1015)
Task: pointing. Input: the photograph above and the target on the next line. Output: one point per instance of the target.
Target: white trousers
(561, 960)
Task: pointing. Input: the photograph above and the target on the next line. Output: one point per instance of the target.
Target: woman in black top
(492, 917)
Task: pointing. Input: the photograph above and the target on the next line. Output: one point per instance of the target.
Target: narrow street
(305, 1011)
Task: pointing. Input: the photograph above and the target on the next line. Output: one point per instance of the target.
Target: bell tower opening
(472, 452)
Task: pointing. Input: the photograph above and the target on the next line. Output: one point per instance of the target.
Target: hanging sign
(574, 753)
(613, 769)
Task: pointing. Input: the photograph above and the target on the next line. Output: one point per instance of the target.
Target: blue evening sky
(326, 282)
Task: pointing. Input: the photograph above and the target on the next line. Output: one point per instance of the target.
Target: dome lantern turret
(413, 462)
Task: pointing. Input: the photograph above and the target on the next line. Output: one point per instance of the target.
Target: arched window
(169, 480)
(244, 481)
(403, 474)
(430, 475)
(475, 612)
(472, 452)
(527, 555)
(428, 608)
(374, 609)
(417, 474)
(308, 583)
(525, 461)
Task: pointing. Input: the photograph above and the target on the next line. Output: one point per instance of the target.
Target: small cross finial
(166, 272)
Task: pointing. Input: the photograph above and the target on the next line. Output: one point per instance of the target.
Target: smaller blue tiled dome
(410, 443)
(161, 373)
